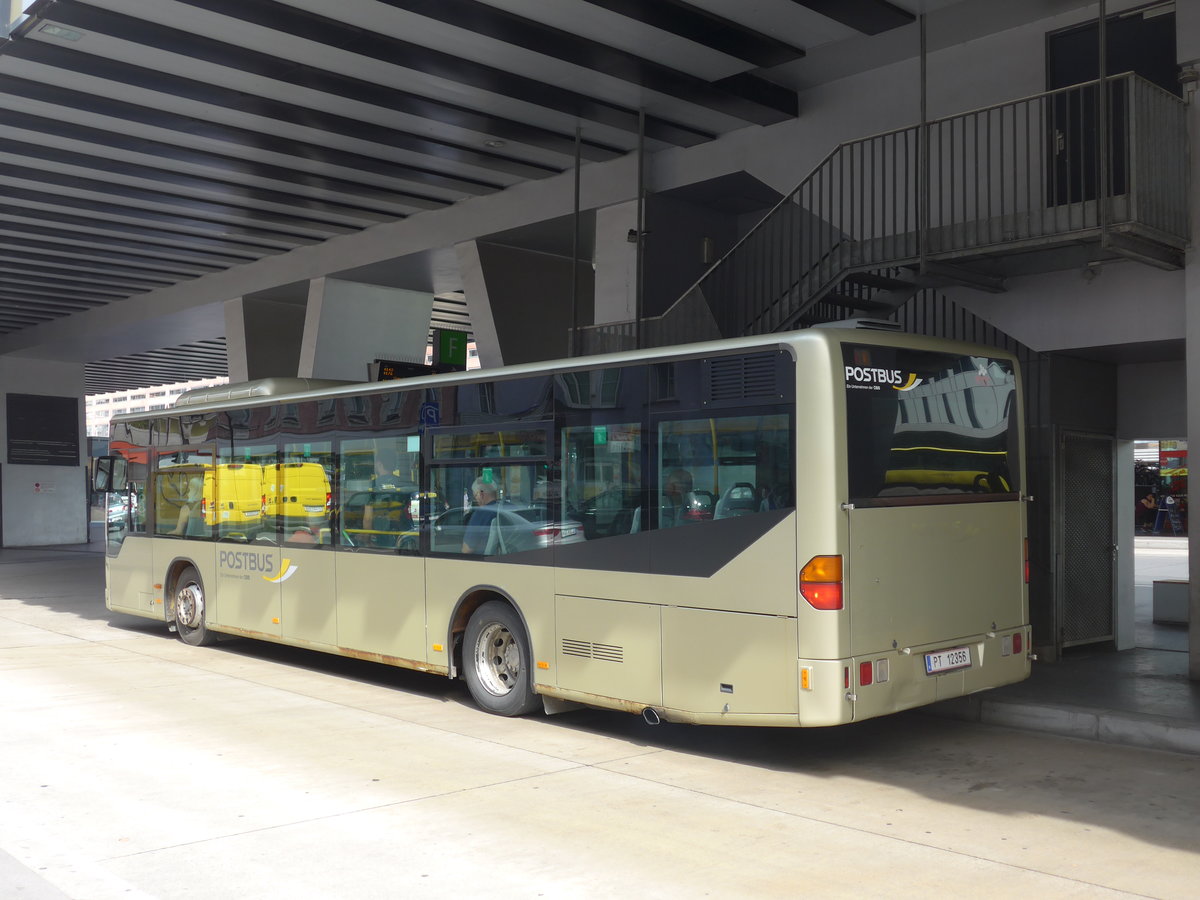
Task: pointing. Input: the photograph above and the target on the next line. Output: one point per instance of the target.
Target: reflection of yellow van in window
(299, 494)
(230, 497)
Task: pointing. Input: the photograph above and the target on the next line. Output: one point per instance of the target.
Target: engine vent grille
(733, 378)
(590, 650)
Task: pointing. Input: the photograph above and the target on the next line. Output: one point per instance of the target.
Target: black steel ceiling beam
(24, 319)
(79, 251)
(97, 268)
(750, 99)
(17, 273)
(867, 16)
(332, 32)
(168, 85)
(191, 206)
(188, 128)
(38, 278)
(222, 254)
(263, 65)
(46, 302)
(702, 27)
(179, 180)
(230, 165)
(55, 294)
(179, 224)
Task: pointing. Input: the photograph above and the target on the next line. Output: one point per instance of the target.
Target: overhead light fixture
(494, 144)
(58, 31)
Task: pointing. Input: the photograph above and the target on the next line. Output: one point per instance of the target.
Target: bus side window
(380, 494)
(602, 480)
(722, 468)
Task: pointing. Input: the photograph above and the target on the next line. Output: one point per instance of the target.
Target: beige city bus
(801, 529)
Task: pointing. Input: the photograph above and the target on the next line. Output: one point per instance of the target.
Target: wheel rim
(497, 659)
(189, 605)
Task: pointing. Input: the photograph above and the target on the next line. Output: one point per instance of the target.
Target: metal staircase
(1013, 189)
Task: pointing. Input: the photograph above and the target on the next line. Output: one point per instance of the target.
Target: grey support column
(1188, 43)
(348, 325)
(262, 338)
(520, 301)
(43, 484)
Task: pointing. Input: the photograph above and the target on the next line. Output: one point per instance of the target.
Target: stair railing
(1016, 175)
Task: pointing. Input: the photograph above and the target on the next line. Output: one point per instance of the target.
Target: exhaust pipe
(650, 716)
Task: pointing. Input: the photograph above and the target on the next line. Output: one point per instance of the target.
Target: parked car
(119, 506)
(516, 528)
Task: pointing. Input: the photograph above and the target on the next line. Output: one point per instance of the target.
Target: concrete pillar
(479, 308)
(1187, 30)
(262, 338)
(521, 301)
(1192, 304)
(1124, 626)
(43, 479)
(348, 325)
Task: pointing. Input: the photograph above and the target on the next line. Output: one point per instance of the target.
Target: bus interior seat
(497, 545)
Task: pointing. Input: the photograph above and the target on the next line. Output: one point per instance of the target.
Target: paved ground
(134, 766)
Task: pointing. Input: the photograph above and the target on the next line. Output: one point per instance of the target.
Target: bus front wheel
(189, 609)
(496, 657)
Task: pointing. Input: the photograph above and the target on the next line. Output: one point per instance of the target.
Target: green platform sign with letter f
(450, 348)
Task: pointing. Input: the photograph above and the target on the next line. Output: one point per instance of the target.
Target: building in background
(102, 407)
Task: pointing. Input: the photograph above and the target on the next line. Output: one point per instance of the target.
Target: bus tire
(496, 660)
(189, 609)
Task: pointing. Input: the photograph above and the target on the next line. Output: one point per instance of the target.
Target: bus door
(129, 555)
(301, 514)
(248, 558)
(379, 570)
(180, 509)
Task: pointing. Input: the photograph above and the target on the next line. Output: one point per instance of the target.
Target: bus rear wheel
(189, 609)
(496, 658)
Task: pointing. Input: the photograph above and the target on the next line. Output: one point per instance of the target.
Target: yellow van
(229, 496)
(298, 495)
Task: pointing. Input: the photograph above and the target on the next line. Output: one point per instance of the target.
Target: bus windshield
(924, 424)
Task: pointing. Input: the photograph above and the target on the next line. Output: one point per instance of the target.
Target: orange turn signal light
(821, 582)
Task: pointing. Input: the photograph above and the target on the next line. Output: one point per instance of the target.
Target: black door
(1140, 41)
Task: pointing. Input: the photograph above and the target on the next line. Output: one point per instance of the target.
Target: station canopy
(149, 143)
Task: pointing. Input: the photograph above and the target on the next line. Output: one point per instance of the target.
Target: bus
(800, 529)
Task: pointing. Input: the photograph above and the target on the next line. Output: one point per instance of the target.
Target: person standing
(479, 523)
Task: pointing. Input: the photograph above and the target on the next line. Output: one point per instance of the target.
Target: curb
(1106, 726)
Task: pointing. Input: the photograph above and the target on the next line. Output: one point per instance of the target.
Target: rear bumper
(875, 684)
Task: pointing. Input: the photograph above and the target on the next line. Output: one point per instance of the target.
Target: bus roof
(273, 390)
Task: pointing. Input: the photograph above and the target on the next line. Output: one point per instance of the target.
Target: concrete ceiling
(149, 144)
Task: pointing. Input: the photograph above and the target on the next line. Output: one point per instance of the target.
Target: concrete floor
(134, 766)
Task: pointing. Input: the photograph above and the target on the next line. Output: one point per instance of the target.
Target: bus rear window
(926, 424)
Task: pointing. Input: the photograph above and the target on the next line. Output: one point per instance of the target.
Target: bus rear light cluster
(877, 672)
(821, 582)
(1012, 644)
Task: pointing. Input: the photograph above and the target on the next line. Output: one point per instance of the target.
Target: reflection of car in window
(697, 506)
(299, 494)
(515, 528)
(119, 509)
